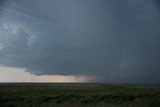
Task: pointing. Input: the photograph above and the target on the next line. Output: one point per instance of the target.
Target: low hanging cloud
(115, 41)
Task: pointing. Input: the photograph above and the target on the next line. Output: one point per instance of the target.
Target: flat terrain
(78, 95)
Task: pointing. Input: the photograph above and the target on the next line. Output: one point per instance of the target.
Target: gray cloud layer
(116, 41)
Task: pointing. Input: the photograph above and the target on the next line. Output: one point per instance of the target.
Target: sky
(112, 41)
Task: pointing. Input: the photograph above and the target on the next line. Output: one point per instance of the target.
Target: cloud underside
(117, 41)
(10, 74)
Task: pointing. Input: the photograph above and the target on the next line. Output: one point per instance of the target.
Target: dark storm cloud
(2, 2)
(116, 41)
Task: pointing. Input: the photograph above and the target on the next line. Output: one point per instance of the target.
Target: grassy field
(78, 95)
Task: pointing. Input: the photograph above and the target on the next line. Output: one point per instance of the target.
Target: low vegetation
(78, 95)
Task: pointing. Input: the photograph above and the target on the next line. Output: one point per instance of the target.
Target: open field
(78, 95)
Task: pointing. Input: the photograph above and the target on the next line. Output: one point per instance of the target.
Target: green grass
(78, 95)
